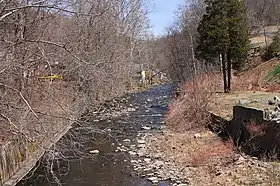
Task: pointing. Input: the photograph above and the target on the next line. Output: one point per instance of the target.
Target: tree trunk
(265, 37)
(224, 72)
(229, 71)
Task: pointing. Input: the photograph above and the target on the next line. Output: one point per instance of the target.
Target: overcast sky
(162, 16)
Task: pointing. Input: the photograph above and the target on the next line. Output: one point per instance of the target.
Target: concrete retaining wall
(12, 156)
(265, 142)
(247, 114)
(18, 157)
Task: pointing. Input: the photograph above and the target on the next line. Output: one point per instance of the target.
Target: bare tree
(181, 41)
(58, 57)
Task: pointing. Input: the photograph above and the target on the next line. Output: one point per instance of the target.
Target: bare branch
(23, 98)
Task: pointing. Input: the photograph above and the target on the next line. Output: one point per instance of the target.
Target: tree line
(213, 35)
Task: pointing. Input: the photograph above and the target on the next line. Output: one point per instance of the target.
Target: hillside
(259, 38)
(253, 79)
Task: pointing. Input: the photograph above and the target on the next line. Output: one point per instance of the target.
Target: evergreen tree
(273, 49)
(224, 30)
(239, 36)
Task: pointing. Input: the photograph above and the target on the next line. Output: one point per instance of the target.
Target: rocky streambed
(111, 148)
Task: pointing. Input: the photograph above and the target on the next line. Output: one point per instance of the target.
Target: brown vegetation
(255, 129)
(188, 113)
(253, 79)
(189, 110)
(208, 161)
(194, 152)
(57, 58)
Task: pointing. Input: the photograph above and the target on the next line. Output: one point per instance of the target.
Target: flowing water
(108, 168)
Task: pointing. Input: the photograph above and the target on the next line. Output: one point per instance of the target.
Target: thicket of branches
(58, 57)
(87, 48)
(178, 45)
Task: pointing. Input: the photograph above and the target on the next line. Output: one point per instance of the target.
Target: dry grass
(190, 151)
(255, 129)
(210, 161)
(252, 80)
(189, 111)
(260, 39)
(213, 151)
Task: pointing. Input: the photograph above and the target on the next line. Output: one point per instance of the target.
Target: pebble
(158, 155)
(147, 160)
(133, 161)
(152, 178)
(159, 163)
(131, 109)
(141, 153)
(155, 181)
(94, 152)
(132, 153)
(141, 141)
(147, 169)
(197, 135)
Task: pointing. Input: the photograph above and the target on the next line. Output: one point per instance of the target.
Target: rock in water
(197, 135)
(146, 128)
(94, 152)
(126, 141)
(153, 179)
(131, 109)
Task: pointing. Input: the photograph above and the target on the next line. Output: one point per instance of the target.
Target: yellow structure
(51, 77)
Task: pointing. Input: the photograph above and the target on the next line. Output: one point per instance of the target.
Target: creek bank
(250, 118)
(186, 160)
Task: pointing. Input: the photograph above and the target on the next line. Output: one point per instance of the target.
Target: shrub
(273, 49)
(189, 110)
(255, 129)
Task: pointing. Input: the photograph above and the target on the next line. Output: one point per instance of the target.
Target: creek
(111, 166)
